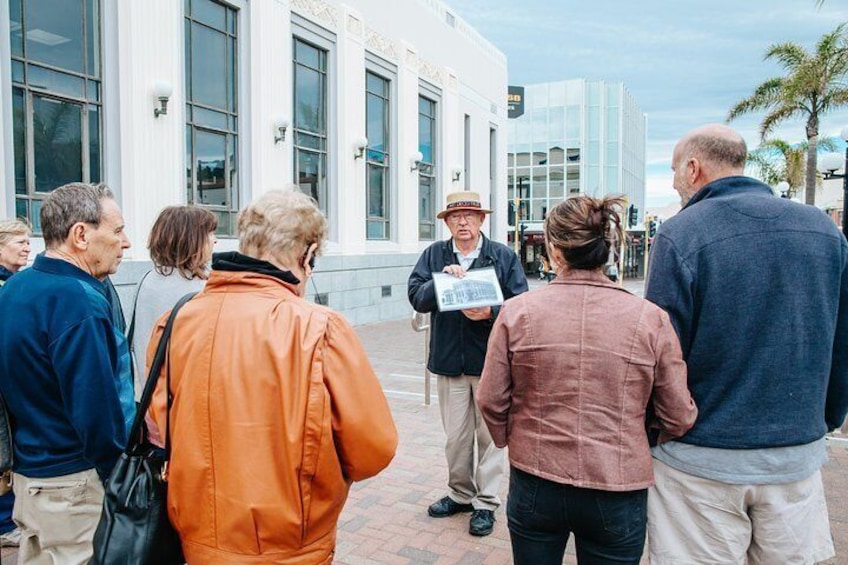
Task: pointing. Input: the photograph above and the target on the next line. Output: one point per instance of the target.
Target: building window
(310, 120)
(56, 104)
(378, 171)
(211, 66)
(427, 170)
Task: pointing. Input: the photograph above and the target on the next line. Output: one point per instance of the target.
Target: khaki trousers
(474, 471)
(692, 520)
(57, 517)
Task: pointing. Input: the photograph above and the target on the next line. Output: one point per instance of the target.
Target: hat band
(464, 204)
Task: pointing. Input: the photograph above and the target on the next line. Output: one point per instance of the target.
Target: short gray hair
(70, 204)
(718, 150)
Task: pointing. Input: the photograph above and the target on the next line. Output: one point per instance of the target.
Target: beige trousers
(57, 517)
(692, 520)
(474, 470)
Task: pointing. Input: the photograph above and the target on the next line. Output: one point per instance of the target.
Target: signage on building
(515, 101)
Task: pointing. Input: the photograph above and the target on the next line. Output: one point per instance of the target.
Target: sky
(686, 63)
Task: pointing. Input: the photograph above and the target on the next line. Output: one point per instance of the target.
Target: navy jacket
(457, 344)
(757, 289)
(60, 371)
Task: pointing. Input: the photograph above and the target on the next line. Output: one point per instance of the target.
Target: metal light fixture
(828, 165)
(162, 90)
(417, 158)
(281, 124)
(359, 147)
(456, 173)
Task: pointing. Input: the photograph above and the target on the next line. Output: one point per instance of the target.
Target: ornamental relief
(354, 25)
(431, 72)
(318, 9)
(412, 59)
(379, 44)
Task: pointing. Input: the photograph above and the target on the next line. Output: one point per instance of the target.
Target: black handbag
(134, 528)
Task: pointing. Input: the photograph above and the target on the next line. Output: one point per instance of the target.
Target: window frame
(432, 170)
(91, 80)
(234, 114)
(386, 72)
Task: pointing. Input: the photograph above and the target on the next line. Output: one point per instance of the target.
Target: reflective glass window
(310, 119)
(56, 112)
(211, 63)
(378, 128)
(427, 174)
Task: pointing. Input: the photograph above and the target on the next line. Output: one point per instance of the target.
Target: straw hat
(463, 200)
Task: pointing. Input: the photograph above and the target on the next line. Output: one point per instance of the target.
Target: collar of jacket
(53, 266)
(485, 259)
(5, 273)
(728, 185)
(234, 261)
(585, 276)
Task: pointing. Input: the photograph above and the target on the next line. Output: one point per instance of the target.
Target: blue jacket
(457, 344)
(62, 370)
(757, 289)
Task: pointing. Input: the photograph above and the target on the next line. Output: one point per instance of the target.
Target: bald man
(757, 289)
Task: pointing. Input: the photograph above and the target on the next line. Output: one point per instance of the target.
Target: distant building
(377, 109)
(575, 137)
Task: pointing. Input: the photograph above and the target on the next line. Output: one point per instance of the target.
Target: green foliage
(814, 84)
(776, 161)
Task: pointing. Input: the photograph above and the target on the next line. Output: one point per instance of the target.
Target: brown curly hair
(584, 229)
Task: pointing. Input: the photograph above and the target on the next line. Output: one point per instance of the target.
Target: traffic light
(652, 228)
(632, 215)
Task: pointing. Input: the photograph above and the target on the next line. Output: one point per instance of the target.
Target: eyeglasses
(456, 217)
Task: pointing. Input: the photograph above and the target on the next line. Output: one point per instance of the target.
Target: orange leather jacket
(276, 410)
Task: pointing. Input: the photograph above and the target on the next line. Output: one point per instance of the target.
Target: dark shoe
(447, 507)
(482, 523)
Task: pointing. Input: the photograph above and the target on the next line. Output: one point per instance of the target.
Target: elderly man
(757, 289)
(63, 372)
(458, 342)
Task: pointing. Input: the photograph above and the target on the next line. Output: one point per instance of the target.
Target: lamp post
(828, 166)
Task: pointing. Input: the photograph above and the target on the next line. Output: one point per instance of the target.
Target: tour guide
(457, 349)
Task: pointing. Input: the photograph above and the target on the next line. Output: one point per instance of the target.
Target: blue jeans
(7, 502)
(608, 527)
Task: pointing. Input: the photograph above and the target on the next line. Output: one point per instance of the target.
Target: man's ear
(78, 236)
(694, 169)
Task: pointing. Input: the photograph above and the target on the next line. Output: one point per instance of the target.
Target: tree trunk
(812, 153)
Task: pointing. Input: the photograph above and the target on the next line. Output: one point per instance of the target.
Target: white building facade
(377, 109)
(574, 137)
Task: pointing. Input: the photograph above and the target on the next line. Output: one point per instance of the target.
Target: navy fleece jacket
(60, 371)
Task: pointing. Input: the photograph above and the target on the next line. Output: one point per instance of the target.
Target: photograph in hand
(478, 288)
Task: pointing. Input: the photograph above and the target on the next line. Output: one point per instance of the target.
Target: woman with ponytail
(572, 371)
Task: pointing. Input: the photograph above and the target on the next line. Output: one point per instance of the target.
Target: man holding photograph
(458, 342)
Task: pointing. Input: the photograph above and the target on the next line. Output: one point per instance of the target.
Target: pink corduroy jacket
(570, 371)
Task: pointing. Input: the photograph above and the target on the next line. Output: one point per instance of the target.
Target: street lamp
(828, 167)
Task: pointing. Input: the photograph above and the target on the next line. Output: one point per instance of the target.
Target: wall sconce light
(281, 124)
(359, 147)
(162, 90)
(416, 161)
(456, 173)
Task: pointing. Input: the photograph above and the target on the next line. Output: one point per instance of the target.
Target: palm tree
(778, 161)
(814, 85)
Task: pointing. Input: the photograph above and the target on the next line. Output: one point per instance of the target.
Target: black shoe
(447, 507)
(482, 523)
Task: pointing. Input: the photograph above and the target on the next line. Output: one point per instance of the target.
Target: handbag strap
(131, 330)
(153, 376)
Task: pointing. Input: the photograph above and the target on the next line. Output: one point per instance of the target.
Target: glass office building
(574, 137)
